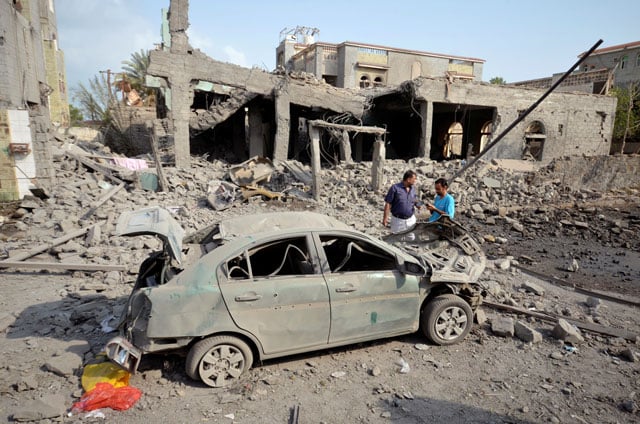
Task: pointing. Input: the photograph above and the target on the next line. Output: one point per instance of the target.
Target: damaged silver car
(269, 285)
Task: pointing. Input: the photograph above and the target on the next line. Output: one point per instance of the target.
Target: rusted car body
(270, 285)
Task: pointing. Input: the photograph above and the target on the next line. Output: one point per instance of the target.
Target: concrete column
(377, 165)
(178, 25)
(345, 147)
(283, 122)
(314, 135)
(319, 61)
(180, 112)
(426, 110)
(256, 142)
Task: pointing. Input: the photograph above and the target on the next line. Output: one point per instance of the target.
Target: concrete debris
(567, 332)
(251, 172)
(47, 407)
(533, 288)
(503, 327)
(526, 333)
(572, 266)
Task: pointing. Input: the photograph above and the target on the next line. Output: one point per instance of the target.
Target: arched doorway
(534, 138)
(485, 135)
(453, 141)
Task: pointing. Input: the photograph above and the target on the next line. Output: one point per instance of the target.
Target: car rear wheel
(447, 319)
(219, 361)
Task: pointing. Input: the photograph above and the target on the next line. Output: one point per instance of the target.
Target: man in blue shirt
(443, 204)
(399, 203)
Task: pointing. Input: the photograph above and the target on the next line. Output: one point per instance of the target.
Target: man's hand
(431, 207)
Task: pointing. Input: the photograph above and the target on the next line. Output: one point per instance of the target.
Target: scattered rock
(533, 288)
(64, 365)
(593, 302)
(481, 316)
(51, 406)
(503, 263)
(503, 327)
(526, 333)
(567, 332)
(572, 266)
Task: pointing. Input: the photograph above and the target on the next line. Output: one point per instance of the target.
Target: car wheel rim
(451, 323)
(222, 364)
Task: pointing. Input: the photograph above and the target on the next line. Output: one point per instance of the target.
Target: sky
(518, 39)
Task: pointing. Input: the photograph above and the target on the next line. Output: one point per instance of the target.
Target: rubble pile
(505, 207)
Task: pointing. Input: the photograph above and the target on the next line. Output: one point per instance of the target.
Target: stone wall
(574, 123)
(601, 173)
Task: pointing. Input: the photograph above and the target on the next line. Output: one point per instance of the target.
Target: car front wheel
(447, 319)
(219, 361)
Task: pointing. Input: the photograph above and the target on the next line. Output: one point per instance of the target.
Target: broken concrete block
(567, 332)
(572, 266)
(481, 316)
(112, 278)
(64, 365)
(491, 182)
(533, 288)
(629, 355)
(516, 226)
(503, 327)
(94, 235)
(51, 406)
(503, 263)
(502, 211)
(526, 333)
(593, 302)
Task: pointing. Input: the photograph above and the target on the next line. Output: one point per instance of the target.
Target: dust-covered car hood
(153, 221)
(449, 249)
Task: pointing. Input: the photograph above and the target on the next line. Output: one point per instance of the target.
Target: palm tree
(94, 100)
(135, 69)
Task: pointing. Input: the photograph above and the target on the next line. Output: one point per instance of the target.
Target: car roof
(277, 221)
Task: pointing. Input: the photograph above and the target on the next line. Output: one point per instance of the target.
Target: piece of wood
(314, 135)
(355, 128)
(587, 326)
(94, 165)
(61, 266)
(163, 184)
(99, 202)
(47, 246)
(593, 293)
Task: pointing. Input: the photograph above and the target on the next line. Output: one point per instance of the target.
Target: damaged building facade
(440, 114)
(33, 95)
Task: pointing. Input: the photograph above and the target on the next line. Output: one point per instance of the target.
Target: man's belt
(402, 216)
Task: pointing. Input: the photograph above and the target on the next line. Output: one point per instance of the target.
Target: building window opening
(534, 138)
(485, 134)
(377, 81)
(453, 141)
(365, 82)
(623, 62)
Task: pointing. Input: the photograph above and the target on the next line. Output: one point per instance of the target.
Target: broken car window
(275, 258)
(347, 254)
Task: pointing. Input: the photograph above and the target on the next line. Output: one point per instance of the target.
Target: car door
(369, 296)
(275, 290)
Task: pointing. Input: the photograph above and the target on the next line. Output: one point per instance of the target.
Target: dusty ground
(485, 379)
(50, 324)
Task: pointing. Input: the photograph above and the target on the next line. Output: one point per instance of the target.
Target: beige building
(352, 65)
(33, 95)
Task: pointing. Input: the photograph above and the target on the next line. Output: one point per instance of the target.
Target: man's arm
(387, 211)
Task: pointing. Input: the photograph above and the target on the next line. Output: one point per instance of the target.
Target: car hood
(153, 221)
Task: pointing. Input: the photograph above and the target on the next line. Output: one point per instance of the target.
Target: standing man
(399, 203)
(443, 204)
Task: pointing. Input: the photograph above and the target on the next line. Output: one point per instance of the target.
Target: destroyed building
(436, 115)
(33, 94)
(352, 65)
